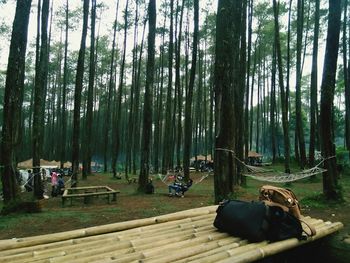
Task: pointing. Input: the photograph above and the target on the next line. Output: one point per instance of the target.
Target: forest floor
(131, 205)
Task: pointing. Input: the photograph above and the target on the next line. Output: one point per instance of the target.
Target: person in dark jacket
(179, 188)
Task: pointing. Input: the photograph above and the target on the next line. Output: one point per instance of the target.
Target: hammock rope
(269, 175)
(164, 178)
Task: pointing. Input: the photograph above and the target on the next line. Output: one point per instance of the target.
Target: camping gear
(256, 221)
(282, 197)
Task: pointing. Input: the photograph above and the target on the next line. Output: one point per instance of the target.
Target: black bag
(256, 221)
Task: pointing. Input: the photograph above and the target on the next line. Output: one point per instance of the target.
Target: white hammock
(268, 175)
(280, 177)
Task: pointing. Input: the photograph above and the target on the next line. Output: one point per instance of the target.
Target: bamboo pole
(187, 236)
(278, 247)
(128, 243)
(184, 252)
(42, 239)
(233, 244)
(77, 247)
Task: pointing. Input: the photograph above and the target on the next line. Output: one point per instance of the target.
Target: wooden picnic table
(88, 192)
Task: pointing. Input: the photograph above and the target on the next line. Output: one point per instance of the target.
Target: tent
(254, 154)
(29, 164)
(254, 158)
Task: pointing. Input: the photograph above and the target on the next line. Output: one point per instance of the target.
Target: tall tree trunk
(288, 54)
(246, 112)
(89, 109)
(131, 126)
(13, 99)
(284, 102)
(313, 86)
(273, 105)
(189, 95)
(257, 135)
(63, 156)
(158, 125)
(330, 177)
(226, 66)
(168, 131)
(137, 117)
(239, 93)
(347, 82)
(110, 92)
(251, 96)
(147, 110)
(178, 88)
(117, 120)
(39, 93)
(77, 97)
(299, 121)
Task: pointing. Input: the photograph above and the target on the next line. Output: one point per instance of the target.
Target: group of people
(57, 183)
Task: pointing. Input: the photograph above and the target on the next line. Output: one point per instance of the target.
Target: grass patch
(319, 201)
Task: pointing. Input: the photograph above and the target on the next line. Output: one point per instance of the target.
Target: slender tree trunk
(137, 117)
(178, 88)
(111, 83)
(246, 112)
(211, 112)
(346, 80)
(63, 156)
(77, 97)
(288, 54)
(158, 126)
(251, 97)
(273, 105)
(189, 95)
(239, 93)
(257, 135)
(168, 131)
(147, 114)
(313, 86)
(130, 137)
(330, 177)
(299, 122)
(39, 93)
(284, 103)
(89, 109)
(13, 99)
(117, 121)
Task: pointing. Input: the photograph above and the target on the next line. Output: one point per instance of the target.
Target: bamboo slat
(187, 236)
(97, 230)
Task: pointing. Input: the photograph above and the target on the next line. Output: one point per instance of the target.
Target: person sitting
(179, 188)
(30, 181)
(54, 182)
(149, 187)
(60, 185)
(186, 186)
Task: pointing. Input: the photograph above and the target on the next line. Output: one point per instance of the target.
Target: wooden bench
(187, 236)
(89, 192)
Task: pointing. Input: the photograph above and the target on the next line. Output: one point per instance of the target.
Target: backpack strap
(311, 228)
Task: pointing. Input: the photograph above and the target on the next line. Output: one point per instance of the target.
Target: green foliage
(318, 200)
(343, 156)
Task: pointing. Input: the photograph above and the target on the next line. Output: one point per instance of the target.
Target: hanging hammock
(164, 178)
(280, 177)
(269, 175)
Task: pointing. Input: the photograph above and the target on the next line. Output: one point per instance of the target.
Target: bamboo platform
(187, 236)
